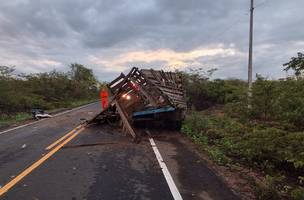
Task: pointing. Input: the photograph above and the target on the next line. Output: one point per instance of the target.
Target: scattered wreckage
(38, 113)
(144, 97)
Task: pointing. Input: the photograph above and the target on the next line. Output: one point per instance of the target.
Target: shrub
(298, 193)
(20, 93)
(273, 150)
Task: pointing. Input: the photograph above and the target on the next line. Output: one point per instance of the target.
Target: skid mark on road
(27, 171)
(174, 191)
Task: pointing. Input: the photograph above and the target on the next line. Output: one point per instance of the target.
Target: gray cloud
(40, 35)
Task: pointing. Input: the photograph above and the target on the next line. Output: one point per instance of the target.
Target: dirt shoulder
(198, 176)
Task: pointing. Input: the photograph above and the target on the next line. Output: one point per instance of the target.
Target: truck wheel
(178, 125)
(173, 125)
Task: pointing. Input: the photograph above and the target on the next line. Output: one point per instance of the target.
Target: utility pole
(250, 55)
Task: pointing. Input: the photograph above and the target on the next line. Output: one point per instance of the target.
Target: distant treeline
(49, 90)
(272, 100)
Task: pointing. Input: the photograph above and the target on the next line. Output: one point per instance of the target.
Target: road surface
(100, 163)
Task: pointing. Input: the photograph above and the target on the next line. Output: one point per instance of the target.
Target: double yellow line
(60, 143)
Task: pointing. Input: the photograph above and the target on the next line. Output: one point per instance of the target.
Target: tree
(296, 64)
(5, 71)
(83, 80)
(265, 96)
(82, 74)
(48, 90)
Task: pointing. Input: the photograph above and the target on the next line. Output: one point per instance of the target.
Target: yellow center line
(62, 138)
(27, 171)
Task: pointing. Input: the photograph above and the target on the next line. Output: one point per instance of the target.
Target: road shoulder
(188, 165)
(28, 122)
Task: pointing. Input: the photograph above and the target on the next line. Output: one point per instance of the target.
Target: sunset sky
(113, 36)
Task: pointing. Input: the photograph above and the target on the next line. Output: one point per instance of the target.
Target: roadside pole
(250, 54)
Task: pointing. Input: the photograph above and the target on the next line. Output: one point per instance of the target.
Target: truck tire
(178, 125)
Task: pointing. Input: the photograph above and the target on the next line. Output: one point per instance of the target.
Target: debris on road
(39, 114)
(23, 146)
(144, 97)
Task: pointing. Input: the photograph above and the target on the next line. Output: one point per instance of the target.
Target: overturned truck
(143, 98)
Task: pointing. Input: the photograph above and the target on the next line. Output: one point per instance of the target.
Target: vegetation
(20, 93)
(268, 137)
(296, 64)
(12, 119)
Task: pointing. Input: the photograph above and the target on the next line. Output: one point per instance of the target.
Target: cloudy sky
(111, 36)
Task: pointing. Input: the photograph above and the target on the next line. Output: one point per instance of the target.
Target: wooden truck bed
(144, 94)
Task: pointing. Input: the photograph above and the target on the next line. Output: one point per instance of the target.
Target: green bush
(298, 193)
(21, 93)
(279, 101)
(7, 120)
(227, 140)
(203, 93)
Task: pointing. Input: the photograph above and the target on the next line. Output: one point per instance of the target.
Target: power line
(236, 22)
(228, 28)
(261, 4)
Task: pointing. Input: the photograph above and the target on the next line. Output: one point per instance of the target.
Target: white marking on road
(174, 191)
(8, 130)
(58, 114)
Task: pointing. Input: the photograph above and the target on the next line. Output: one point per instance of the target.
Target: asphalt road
(99, 162)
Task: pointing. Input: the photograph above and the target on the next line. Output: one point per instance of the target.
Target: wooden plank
(156, 88)
(148, 74)
(181, 99)
(172, 96)
(116, 81)
(173, 91)
(163, 75)
(145, 71)
(172, 87)
(121, 76)
(155, 81)
(170, 77)
(179, 104)
(125, 121)
(178, 101)
(156, 76)
(118, 86)
(147, 95)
